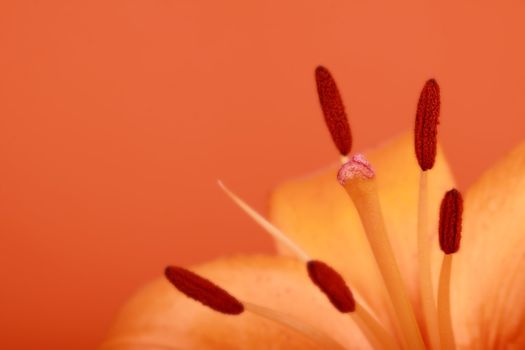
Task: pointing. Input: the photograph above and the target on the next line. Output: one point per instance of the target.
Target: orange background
(116, 117)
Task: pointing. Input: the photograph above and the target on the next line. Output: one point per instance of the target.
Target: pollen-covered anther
(203, 290)
(357, 167)
(427, 119)
(332, 285)
(333, 110)
(450, 220)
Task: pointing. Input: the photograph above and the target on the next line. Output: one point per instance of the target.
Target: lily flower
(376, 251)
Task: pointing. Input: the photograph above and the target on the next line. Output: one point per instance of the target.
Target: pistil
(358, 179)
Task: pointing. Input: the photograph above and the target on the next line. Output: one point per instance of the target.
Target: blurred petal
(161, 315)
(488, 283)
(316, 213)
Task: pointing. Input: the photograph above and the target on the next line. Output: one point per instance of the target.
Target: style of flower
(402, 261)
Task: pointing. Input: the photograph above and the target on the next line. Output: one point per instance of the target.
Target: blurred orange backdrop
(117, 117)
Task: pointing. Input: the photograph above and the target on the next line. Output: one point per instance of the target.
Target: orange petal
(488, 283)
(160, 315)
(317, 214)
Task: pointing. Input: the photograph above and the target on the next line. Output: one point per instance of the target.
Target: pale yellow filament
(423, 250)
(364, 194)
(445, 319)
(268, 226)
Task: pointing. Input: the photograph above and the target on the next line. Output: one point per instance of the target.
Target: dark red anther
(333, 110)
(427, 119)
(332, 285)
(203, 290)
(450, 218)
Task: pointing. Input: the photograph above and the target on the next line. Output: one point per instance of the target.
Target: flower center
(358, 179)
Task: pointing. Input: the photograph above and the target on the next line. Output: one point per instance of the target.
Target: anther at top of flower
(333, 110)
(427, 119)
(369, 258)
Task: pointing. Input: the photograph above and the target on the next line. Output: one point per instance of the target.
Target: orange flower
(284, 309)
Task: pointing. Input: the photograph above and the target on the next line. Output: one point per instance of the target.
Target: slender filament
(445, 319)
(268, 226)
(423, 251)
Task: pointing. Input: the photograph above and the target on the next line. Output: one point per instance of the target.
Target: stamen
(333, 110)
(450, 221)
(362, 189)
(427, 119)
(428, 304)
(265, 224)
(425, 141)
(213, 296)
(203, 290)
(332, 284)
